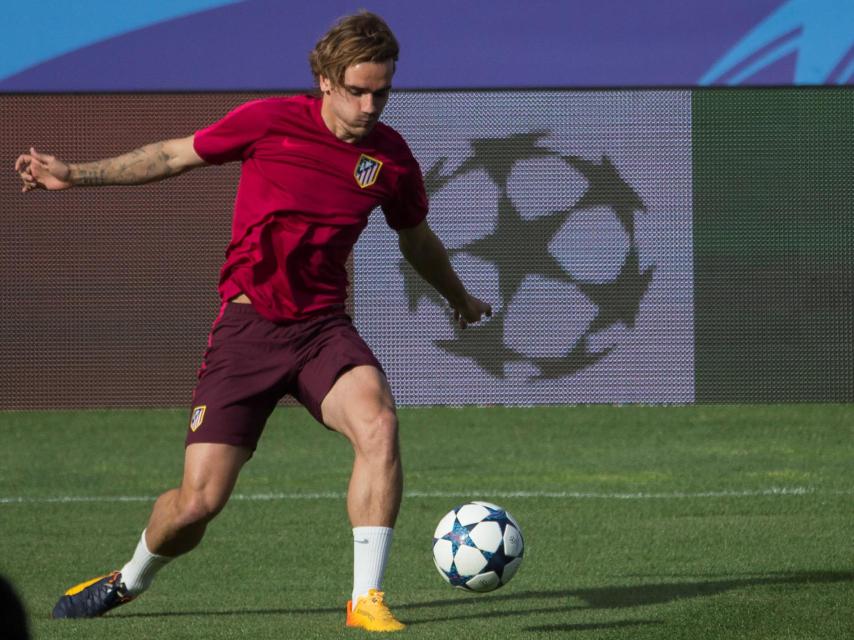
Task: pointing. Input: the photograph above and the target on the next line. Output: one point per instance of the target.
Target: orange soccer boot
(372, 614)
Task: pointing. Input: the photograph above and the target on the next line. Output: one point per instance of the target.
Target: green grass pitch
(640, 522)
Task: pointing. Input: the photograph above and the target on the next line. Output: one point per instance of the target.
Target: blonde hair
(361, 37)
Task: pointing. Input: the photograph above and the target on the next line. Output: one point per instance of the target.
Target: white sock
(371, 546)
(139, 572)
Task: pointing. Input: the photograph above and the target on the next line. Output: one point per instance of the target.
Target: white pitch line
(465, 495)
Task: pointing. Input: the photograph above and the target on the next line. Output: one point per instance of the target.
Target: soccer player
(313, 168)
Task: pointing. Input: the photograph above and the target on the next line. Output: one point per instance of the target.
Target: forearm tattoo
(146, 164)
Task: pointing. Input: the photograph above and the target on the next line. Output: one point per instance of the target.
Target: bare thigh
(359, 397)
(211, 470)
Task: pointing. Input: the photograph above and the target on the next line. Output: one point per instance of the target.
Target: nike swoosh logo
(365, 541)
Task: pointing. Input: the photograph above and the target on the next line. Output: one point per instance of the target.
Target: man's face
(352, 109)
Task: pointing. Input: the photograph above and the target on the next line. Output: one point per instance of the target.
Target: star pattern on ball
(518, 247)
(458, 537)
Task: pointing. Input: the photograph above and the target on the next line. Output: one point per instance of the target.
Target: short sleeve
(230, 138)
(408, 205)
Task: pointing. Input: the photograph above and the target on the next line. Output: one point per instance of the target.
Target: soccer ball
(478, 546)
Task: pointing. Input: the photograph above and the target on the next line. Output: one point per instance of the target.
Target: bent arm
(428, 256)
(150, 163)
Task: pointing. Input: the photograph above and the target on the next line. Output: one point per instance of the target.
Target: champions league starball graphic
(579, 261)
(571, 215)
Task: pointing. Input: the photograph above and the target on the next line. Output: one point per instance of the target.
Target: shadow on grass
(227, 612)
(608, 597)
(618, 597)
(619, 624)
(647, 594)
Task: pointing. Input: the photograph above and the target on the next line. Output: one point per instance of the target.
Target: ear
(324, 83)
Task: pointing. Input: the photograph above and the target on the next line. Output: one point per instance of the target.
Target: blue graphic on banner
(32, 35)
(819, 32)
(220, 45)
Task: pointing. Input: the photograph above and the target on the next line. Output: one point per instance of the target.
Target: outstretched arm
(152, 162)
(427, 255)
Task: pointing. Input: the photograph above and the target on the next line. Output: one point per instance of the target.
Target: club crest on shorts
(367, 170)
(197, 417)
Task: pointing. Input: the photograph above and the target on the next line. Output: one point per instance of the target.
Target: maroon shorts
(251, 363)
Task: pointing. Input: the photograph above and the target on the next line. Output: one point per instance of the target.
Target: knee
(199, 507)
(377, 438)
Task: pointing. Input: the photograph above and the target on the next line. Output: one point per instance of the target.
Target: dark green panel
(774, 244)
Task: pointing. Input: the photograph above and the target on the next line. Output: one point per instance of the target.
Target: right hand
(471, 310)
(40, 171)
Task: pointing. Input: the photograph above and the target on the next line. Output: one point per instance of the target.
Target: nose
(369, 104)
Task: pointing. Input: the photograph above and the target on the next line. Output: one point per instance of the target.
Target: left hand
(469, 310)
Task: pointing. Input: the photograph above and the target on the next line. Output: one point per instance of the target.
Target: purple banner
(263, 45)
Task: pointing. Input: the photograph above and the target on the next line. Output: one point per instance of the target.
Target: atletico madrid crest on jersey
(197, 417)
(367, 170)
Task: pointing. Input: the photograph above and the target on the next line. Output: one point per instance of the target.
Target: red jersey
(304, 197)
